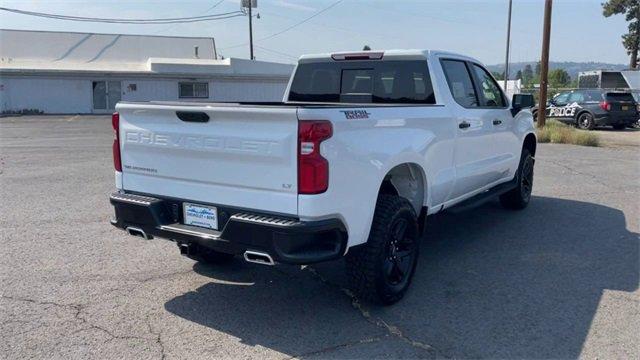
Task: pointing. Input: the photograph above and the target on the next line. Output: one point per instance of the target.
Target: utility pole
(251, 30)
(506, 61)
(544, 64)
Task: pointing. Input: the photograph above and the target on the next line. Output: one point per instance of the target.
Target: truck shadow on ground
(490, 283)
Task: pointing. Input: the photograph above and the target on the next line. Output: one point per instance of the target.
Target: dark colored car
(636, 95)
(588, 108)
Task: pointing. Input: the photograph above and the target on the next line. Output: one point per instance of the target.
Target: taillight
(115, 122)
(605, 106)
(313, 169)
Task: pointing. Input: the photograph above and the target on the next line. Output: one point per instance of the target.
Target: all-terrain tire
(519, 197)
(586, 121)
(381, 270)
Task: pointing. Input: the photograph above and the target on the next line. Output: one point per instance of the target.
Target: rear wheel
(381, 270)
(586, 121)
(519, 197)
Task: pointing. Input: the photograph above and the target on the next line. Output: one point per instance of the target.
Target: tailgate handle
(191, 116)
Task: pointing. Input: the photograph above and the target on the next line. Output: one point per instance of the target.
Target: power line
(290, 27)
(190, 19)
(214, 6)
(178, 24)
(277, 52)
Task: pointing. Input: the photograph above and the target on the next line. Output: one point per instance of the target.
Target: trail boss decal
(355, 114)
(564, 111)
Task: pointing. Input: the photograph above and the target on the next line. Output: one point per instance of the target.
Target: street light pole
(250, 31)
(544, 64)
(506, 61)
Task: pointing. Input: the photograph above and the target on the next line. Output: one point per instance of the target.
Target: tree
(497, 75)
(527, 74)
(366, 48)
(559, 78)
(519, 75)
(538, 69)
(631, 10)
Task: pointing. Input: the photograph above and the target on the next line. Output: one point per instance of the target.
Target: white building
(513, 87)
(61, 72)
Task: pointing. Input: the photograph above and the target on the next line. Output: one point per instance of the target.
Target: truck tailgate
(243, 156)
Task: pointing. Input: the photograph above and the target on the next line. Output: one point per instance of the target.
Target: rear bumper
(285, 239)
(616, 119)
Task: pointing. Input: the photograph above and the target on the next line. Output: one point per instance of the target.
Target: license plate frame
(204, 216)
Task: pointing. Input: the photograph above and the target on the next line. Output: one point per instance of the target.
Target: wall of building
(226, 90)
(45, 94)
(74, 95)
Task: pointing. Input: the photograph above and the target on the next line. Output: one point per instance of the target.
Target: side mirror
(522, 101)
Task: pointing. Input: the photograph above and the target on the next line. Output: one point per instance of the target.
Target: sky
(472, 27)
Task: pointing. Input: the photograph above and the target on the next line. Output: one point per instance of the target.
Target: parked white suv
(364, 147)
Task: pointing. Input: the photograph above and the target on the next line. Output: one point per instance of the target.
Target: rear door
(241, 156)
(474, 148)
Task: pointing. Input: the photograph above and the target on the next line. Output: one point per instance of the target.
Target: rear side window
(380, 82)
(619, 97)
(593, 95)
(460, 84)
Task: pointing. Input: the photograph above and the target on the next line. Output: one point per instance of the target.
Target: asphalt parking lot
(557, 280)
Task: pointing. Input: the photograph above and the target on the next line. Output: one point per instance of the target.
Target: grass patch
(558, 133)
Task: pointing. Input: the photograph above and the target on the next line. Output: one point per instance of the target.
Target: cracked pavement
(558, 280)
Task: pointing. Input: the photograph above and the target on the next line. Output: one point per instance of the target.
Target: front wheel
(519, 197)
(381, 270)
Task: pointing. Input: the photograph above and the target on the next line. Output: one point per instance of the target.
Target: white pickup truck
(364, 147)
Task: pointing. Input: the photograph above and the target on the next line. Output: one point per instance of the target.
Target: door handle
(497, 122)
(464, 125)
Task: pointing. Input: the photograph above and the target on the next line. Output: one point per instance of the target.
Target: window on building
(197, 90)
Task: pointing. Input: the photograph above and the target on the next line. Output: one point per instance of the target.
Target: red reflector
(115, 122)
(313, 169)
(358, 56)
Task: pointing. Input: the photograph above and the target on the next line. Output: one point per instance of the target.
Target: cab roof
(394, 54)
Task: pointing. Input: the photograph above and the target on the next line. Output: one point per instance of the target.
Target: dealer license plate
(201, 215)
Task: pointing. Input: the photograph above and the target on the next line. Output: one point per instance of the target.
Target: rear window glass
(619, 97)
(383, 82)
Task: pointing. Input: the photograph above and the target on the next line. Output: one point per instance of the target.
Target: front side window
(577, 97)
(460, 84)
(491, 95)
(374, 82)
(561, 99)
(198, 90)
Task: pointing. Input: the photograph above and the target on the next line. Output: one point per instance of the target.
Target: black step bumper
(285, 239)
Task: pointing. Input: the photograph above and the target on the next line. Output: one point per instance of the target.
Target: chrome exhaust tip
(258, 258)
(134, 231)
